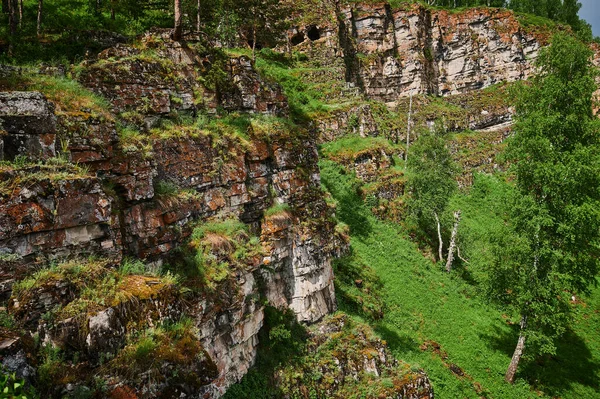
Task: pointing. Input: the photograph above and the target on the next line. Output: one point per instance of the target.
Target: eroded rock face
(416, 50)
(344, 354)
(357, 120)
(28, 126)
(43, 216)
(163, 78)
(114, 204)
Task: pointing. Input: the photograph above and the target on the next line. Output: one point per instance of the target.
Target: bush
(12, 387)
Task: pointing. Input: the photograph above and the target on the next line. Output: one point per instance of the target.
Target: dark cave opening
(313, 33)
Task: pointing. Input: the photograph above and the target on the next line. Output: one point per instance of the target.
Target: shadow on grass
(397, 343)
(282, 341)
(358, 287)
(464, 273)
(343, 186)
(555, 375)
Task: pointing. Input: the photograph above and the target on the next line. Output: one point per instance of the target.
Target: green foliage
(332, 367)
(132, 266)
(234, 126)
(277, 209)
(6, 319)
(165, 188)
(24, 172)
(425, 304)
(264, 20)
(94, 284)
(52, 368)
(358, 287)
(485, 210)
(281, 341)
(70, 28)
(67, 94)
(348, 148)
(430, 174)
(554, 245)
(12, 387)
(175, 344)
(430, 179)
(216, 250)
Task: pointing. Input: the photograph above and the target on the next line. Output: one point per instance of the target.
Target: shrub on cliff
(219, 249)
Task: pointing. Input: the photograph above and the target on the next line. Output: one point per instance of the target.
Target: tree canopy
(34, 24)
(430, 180)
(554, 251)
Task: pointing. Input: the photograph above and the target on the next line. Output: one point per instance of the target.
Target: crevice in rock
(425, 40)
(347, 40)
(297, 39)
(389, 20)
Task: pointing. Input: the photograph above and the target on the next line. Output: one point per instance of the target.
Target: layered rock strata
(27, 126)
(417, 50)
(114, 197)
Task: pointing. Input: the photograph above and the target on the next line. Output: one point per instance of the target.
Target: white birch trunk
(452, 246)
(439, 231)
(514, 363)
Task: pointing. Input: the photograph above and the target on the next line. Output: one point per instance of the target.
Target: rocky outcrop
(418, 50)
(49, 213)
(343, 355)
(161, 77)
(413, 49)
(27, 126)
(358, 120)
(112, 196)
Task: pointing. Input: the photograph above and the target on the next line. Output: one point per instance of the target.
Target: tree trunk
(253, 43)
(178, 28)
(408, 129)
(198, 16)
(112, 10)
(514, 363)
(20, 13)
(439, 231)
(39, 17)
(13, 6)
(452, 246)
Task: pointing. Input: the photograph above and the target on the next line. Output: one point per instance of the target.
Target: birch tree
(554, 247)
(430, 183)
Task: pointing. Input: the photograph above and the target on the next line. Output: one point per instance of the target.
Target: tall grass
(441, 322)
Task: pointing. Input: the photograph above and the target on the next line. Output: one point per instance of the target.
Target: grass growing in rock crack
(67, 94)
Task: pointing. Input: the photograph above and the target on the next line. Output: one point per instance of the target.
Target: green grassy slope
(439, 321)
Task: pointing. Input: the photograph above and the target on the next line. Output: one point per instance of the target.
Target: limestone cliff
(391, 53)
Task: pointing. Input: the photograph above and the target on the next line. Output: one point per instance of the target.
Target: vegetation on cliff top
(64, 30)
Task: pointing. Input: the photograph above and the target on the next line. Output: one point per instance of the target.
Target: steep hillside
(178, 219)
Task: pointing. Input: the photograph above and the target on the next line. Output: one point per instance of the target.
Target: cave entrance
(313, 33)
(298, 38)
